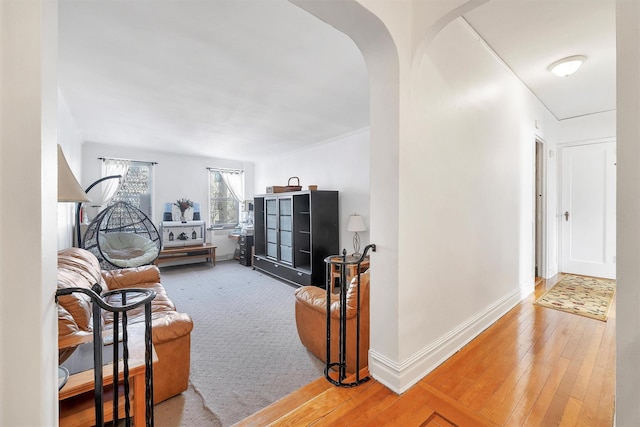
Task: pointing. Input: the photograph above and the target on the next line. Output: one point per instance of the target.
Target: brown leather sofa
(171, 330)
(311, 321)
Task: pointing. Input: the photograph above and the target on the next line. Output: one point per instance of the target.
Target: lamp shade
(356, 223)
(68, 188)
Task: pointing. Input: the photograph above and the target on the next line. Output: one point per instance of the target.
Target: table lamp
(355, 224)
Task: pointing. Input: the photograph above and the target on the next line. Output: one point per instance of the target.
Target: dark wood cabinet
(294, 232)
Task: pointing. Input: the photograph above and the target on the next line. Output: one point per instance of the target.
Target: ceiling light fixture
(567, 66)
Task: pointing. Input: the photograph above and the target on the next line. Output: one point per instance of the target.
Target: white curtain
(110, 187)
(235, 183)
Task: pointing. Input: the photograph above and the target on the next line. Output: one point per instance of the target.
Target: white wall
(175, 177)
(70, 139)
(340, 164)
(28, 223)
(588, 128)
(454, 212)
(466, 201)
(628, 209)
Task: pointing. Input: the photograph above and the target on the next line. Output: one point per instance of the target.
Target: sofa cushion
(78, 268)
(131, 277)
(171, 325)
(160, 304)
(82, 262)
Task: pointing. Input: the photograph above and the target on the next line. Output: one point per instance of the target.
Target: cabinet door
(271, 220)
(285, 226)
(260, 231)
(302, 232)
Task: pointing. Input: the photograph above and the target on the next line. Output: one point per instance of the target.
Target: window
(137, 187)
(225, 190)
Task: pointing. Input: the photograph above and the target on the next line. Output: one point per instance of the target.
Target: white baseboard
(399, 377)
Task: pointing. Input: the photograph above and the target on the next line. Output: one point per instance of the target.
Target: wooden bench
(181, 253)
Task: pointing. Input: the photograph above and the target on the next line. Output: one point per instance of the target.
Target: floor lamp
(68, 188)
(79, 205)
(68, 191)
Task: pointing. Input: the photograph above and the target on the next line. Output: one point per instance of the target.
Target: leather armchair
(311, 321)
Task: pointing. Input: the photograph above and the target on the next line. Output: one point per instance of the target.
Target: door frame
(540, 240)
(560, 149)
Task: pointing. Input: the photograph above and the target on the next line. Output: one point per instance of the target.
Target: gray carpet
(245, 350)
(186, 409)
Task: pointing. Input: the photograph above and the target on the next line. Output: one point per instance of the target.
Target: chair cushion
(127, 249)
(352, 293)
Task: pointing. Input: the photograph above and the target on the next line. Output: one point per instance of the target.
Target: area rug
(585, 296)
(245, 350)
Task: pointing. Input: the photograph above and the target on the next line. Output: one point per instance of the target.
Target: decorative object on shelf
(138, 298)
(84, 216)
(355, 224)
(313, 187)
(339, 368)
(167, 215)
(196, 211)
(183, 236)
(289, 187)
(183, 205)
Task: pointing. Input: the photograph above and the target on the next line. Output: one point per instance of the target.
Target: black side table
(341, 264)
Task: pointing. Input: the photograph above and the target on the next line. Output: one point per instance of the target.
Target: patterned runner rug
(585, 296)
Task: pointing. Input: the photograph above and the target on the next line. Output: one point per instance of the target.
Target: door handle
(566, 216)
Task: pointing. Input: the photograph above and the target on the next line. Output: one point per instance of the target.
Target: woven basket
(287, 188)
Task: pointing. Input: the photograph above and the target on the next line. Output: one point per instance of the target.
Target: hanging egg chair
(122, 236)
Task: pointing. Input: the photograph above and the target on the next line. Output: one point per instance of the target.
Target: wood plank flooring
(535, 367)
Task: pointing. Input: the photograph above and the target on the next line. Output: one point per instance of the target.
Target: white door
(588, 215)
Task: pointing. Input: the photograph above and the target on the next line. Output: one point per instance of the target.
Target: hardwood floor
(534, 367)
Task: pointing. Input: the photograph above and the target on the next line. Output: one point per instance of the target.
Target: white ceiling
(244, 79)
(529, 35)
(224, 78)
